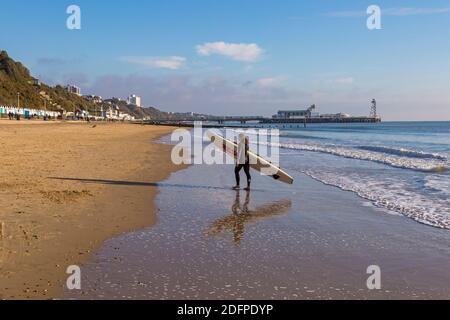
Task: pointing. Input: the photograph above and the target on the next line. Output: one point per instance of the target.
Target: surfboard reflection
(242, 215)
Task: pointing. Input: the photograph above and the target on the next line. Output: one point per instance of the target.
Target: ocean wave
(404, 152)
(398, 161)
(393, 195)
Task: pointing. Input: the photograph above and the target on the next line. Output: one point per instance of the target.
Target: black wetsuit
(246, 168)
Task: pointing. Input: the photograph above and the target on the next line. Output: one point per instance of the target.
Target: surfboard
(257, 162)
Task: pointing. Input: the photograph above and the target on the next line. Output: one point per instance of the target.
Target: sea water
(400, 166)
(285, 242)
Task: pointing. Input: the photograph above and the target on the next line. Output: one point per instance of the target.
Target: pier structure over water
(244, 121)
(239, 119)
(283, 117)
(324, 120)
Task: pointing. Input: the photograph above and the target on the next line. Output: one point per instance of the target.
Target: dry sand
(51, 219)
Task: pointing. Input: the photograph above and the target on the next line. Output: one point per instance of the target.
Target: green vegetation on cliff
(15, 78)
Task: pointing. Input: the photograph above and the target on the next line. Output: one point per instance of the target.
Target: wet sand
(307, 241)
(48, 218)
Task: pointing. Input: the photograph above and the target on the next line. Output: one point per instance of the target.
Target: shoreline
(306, 241)
(142, 228)
(51, 217)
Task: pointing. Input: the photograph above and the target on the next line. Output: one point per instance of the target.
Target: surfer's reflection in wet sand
(241, 215)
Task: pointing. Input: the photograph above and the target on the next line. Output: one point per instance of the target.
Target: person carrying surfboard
(242, 161)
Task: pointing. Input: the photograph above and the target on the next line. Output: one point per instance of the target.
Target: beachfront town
(106, 109)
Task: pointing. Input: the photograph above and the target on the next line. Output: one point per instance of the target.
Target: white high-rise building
(74, 89)
(134, 100)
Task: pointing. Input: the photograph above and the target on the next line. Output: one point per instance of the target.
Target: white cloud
(237, 51)
(172, 62)
(402, 11)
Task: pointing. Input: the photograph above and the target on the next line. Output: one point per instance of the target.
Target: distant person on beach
(242, 161)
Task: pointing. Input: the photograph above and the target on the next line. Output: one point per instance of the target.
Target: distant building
(296, 114)
(125, 116)
(92, 98)
(335, 115)
(111, 112)
(134, 100)
(74, 89)
(114, 113)
(35, 82)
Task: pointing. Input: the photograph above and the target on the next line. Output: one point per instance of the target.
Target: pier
(243, 121)
(283, 117)
(323, 120)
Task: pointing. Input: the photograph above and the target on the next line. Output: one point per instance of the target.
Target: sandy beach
(306, 241)
(49, 220)
(216, 158)
(106, 197)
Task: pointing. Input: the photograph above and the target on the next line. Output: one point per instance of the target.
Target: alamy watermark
(73, 22)
(374, 280)
(74, 280)
(212, 147)
(373, 22)
(374, 19)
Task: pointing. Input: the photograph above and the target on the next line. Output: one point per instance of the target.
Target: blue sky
(243, 57)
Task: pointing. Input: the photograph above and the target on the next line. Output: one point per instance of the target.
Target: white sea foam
(403, 159)
(405, 152)
(394, 195)
(439, 183)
